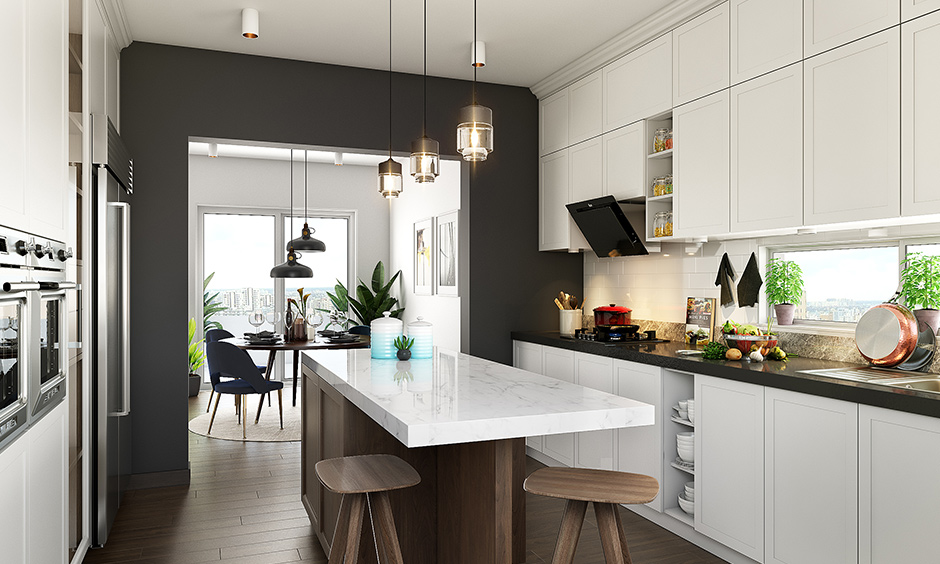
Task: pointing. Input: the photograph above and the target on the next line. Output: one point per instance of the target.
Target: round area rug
(228, 427)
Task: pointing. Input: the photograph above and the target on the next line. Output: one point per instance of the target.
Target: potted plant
(403, 344)
(920, 286)
(784, 288)
(196, 359)
(374, 301)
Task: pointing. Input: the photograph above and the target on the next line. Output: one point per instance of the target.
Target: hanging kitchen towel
(749, 286)
(725, 279)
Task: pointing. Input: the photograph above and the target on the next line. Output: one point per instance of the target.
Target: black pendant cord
(305, 188)
(290, 244)
(424, 124)
(475, 60)
(389, 79)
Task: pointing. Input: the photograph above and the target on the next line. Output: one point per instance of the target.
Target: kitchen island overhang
(461, 422)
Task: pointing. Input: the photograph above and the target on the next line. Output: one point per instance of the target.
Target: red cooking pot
(613, 315)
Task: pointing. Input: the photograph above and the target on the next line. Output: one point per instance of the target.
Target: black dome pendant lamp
(305, 242)
(291, 268)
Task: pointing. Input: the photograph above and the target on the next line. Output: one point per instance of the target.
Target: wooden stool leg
(612, 538)
(570, 532)
(383, 527)
(353, 537)
(338, 546)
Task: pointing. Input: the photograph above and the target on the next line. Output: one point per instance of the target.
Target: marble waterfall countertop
(457, 398)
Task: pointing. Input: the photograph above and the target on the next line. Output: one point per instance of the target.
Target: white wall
(418, 202)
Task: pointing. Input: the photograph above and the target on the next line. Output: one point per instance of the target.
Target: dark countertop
(773, 373)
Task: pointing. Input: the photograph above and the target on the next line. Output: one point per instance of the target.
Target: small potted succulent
(920, 286)
(403, 344)
(784, 288)
(196, 359)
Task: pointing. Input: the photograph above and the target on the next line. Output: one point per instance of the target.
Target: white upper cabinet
(767, 151)
(586, 171)
(625, 162)
(701, 164)
(13, 115)
(911, 9)
(852, 132)
(700, 56)
(586, 108)
(765, 35)
(830, 23)
(553, 195)
(811, 462)
(639, 84)
(920, 114)
(553, 122)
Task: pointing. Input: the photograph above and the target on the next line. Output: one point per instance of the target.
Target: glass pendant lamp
(306, 242)
(291, 268)
(425, 152)
(390, 171)
(475, 122)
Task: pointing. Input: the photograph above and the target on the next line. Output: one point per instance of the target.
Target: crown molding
(661, 22)
(116, 20)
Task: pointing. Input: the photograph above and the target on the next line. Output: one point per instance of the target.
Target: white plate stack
(685, 445)
(687, 498)
(690, 405)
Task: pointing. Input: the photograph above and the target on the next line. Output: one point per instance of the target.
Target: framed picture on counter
(447, 254)
(424, 257)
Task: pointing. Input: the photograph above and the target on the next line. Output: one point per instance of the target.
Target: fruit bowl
(744, 342)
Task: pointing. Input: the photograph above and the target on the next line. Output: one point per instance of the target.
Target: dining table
(318, 343)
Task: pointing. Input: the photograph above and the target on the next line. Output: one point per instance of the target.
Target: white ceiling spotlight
(250, 23)
(338, 159)
(214, 150)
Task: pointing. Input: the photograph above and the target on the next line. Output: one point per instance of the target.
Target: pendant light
(305, 242)
(291, 268)
(475, 122)
(390, 171)
(425, 152)
(250, 23)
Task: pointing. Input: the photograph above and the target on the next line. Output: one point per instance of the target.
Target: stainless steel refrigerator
(112, 186)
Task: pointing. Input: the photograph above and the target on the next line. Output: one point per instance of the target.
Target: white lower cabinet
(595, 449)
(729, 463)
(14, 473)
(559, 364)
(899, 492)
(528, 356)
(811, 463)
(640, 449)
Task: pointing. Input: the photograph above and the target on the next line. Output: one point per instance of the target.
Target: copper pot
(886, 335)
(612, 315)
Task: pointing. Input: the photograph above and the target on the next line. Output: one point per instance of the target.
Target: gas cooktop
(615, 335)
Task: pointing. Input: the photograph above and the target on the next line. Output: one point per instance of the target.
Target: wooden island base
(468, 509)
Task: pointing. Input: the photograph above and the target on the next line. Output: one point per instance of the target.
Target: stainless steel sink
(882, 376)
(925, 384)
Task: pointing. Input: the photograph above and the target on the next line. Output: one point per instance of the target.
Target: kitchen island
(461, 422)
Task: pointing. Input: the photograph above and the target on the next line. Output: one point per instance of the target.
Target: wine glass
(314, 320)
(273, 317)
(256, 318)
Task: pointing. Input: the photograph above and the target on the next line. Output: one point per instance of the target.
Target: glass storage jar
(659, 140)
(667, 142)
(659, 186)
(667, 224)
(667, 184)
(659, 224)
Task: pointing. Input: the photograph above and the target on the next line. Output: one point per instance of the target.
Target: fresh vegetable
(777, 353)
(756, 356)
(730, 326)
(733, 354)
(714, 350)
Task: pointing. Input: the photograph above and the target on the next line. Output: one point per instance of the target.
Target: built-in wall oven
(33, 333)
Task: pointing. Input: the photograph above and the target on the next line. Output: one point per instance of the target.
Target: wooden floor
(243, 506)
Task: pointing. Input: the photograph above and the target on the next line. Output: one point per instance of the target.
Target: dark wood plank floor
(243, 507)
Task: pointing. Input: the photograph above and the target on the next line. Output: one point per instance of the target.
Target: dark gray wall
(171, 93)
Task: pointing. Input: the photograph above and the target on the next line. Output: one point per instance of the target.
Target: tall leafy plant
(920, 280)
(340, 300)
(372, 302)
(784, 284)
(210, 306)
(197, 357)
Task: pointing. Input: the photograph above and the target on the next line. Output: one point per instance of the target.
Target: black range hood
(605, 226)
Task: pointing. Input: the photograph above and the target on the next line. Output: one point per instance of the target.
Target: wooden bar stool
(364, 481)
(606, 490)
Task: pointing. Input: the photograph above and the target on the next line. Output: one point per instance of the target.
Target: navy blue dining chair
(232, 362)
(213, 335)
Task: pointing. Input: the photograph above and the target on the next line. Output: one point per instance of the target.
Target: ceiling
(526, 40)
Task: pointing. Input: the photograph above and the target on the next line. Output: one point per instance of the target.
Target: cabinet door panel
(48, 487)
(625, 162)
(639, 84)
(729, 463)
(528, 356)
(559, 363)
(701, 160)
(920, 88)
(852, 132)
(553, 195)
(802, 428)
(586, 108)
(898, 488)
(14, 473)
(911, 9)
(700, 53)
(595, 449)
(765, 35)
(767, 151)
(13, 115)
(830, 23)
(639, 449)
(553, 122)
(586, 171)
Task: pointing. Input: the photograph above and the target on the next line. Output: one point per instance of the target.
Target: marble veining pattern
(457, 398)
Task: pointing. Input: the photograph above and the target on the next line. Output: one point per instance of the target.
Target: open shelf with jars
(659, 199)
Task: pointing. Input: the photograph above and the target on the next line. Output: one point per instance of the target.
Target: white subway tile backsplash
(740, 247)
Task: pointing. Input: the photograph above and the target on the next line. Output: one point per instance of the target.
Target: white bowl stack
(690, 405)
(683, 410)
(687, 499)
(685, 445)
